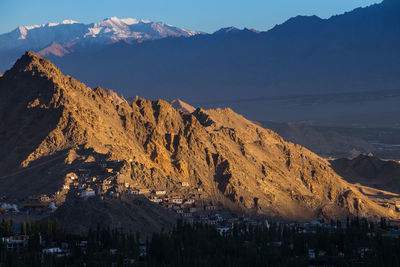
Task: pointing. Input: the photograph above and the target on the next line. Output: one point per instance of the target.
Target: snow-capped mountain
(68, 33)
(122, 29)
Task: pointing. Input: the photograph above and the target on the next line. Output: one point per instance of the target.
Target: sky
(202, 15)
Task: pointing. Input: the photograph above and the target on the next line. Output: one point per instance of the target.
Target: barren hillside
(51, 125)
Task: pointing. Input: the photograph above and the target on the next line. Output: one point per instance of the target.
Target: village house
(143, 191)
(103, 164)
(210, 207)
(106, 187)
(211, 222)
(311, 253)
(56, 251)
(397, 205)
(72, 177)
(142, 251)
(233, 221)
(81, 186)
(133, 191)
(394, 223)
(185, 184)
(161, 192)
(177, 200)
(82, 245)
(88, 193)
(192, 209)
(175, 208)
(43, 198)
(84, 172)
(156, 200)
(187, 214)
(189, 201)
(223, 230)
(120, 187)
(18, 242)
(218, 217)
(38, 201)
(362, 251)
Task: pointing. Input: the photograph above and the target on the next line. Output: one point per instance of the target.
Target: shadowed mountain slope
(370, 171)
(326, 143)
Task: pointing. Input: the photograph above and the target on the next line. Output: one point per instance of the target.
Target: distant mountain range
(71, 36)
(69, 33)
(348, 54)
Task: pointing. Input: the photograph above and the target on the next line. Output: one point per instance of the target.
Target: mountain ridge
(236, 163)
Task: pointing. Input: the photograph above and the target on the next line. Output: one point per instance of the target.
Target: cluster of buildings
(20, 243)
(37, 203)
(98, 179)
(104, 180)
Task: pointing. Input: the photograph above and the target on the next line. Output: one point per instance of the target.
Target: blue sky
(204, 15)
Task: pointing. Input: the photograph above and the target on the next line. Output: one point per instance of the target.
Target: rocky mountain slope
(344, 67)
(52, 125)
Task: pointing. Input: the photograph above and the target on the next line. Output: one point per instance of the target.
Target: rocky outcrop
(182, 106)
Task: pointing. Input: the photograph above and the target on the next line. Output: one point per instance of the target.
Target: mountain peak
(227, 30)
(182, 106)
(54, 49)
(127, 21)
(64, 22)
(23, 30)
(34, 74)
(32, 62)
